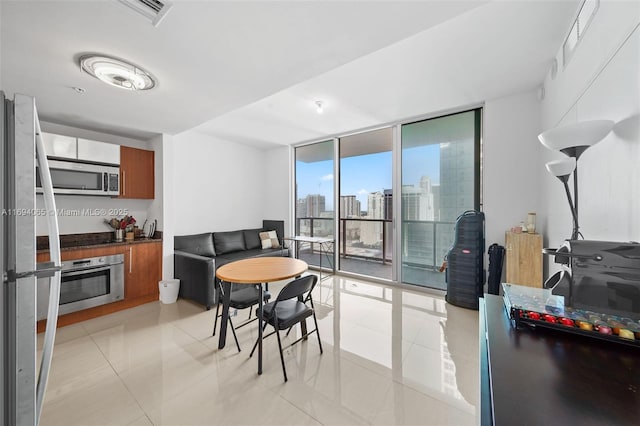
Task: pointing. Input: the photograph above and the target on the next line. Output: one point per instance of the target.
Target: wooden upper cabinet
(137, 173)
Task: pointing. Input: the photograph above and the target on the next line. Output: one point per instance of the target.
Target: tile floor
(391, 357)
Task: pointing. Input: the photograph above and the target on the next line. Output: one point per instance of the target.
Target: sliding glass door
(366, 203)
(314, 192)
(440, 180)
(433, 169)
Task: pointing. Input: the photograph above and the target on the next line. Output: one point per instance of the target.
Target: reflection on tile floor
(391, 357)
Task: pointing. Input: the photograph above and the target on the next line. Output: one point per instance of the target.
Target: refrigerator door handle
(43, 270)
(54, 281)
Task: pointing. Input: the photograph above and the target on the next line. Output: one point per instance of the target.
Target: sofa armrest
(197, 277)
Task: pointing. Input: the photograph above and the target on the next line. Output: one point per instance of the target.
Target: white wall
(278, 190)
(512, 163)
(612, 24)
(72, 220)
(217, 185)
(600, 82)
(161, 207)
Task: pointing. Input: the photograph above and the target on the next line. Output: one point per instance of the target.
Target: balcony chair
(289, 309)
(242, 296)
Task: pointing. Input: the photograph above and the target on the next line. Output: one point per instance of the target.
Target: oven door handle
(83, 271)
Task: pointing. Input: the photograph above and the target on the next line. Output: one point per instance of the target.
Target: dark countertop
(90, 240)
(541, 376)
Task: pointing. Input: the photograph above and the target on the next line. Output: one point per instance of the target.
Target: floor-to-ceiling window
(433, 166)
(366, 203)
(440, 180)
(314, 194)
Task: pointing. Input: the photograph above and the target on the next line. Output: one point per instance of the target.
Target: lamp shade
(561, 168)
(574, 139)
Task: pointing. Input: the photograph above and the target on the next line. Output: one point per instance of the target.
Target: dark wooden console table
(546, 377)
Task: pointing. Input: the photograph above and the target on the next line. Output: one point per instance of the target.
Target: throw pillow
(269, 239)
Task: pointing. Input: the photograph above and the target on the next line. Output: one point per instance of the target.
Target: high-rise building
(456, 190)
(388, 204)
(417, 204)
(375, 205)
(425, 184)
(301, 208)
(456, 178)
(371, 231)
(349, 206)
(315, 205)
(435, 189)
(418, 210)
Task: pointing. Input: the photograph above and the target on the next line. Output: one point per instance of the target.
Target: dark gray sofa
(196, 257)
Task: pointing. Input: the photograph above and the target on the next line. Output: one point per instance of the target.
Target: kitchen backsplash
(86, 214)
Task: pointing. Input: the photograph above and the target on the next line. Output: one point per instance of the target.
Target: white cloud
(327, 177)
(363, 192)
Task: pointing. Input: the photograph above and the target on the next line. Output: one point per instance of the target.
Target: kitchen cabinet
(137, 173)
(524, 259)
(102, 152)
(72, 148)
(60, 146)
(142, 270)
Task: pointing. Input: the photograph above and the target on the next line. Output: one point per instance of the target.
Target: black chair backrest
(297, 287)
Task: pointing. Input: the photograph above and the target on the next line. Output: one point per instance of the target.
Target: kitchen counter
(90, 240)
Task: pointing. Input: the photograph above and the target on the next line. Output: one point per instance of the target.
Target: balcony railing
(424, 244)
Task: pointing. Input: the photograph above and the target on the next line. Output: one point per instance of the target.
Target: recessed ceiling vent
(153, 10)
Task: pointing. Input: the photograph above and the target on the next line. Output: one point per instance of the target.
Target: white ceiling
(250, 71)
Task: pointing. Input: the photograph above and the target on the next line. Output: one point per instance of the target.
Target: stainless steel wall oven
(86, 283)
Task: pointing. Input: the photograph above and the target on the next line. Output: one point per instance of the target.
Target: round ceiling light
(117, 73)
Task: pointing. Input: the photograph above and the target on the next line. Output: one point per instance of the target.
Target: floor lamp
(573, 140)
(562, 169)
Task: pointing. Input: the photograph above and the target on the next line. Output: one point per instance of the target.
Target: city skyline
(358, 180)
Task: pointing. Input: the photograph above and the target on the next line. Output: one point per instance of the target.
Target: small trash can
(169, 290)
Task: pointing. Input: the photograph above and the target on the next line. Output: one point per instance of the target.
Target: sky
(365, 174)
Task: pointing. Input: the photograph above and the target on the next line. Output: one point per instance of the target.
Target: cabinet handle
(130, 259)
(124, 180)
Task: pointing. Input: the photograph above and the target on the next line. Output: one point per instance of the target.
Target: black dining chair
(242, 296)
(289, 309)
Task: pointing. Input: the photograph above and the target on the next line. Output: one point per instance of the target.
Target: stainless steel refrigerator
(23, 376)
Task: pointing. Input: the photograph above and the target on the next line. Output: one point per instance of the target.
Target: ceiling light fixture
(117, 72)
(319, 107)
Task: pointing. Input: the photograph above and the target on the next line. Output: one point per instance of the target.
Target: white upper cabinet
(80, 149)
(89, 150)
(60, 146)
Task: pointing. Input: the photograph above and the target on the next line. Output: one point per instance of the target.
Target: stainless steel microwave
(70, 177)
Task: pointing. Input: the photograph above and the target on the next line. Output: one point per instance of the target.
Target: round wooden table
(261, 270)
(257, 270)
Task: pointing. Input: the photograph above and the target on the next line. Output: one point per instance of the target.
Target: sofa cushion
(248, 254)
(269, 240)
(252, 238)
(238, 255)
(228, 242)
(200, 244)
(271, 252)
